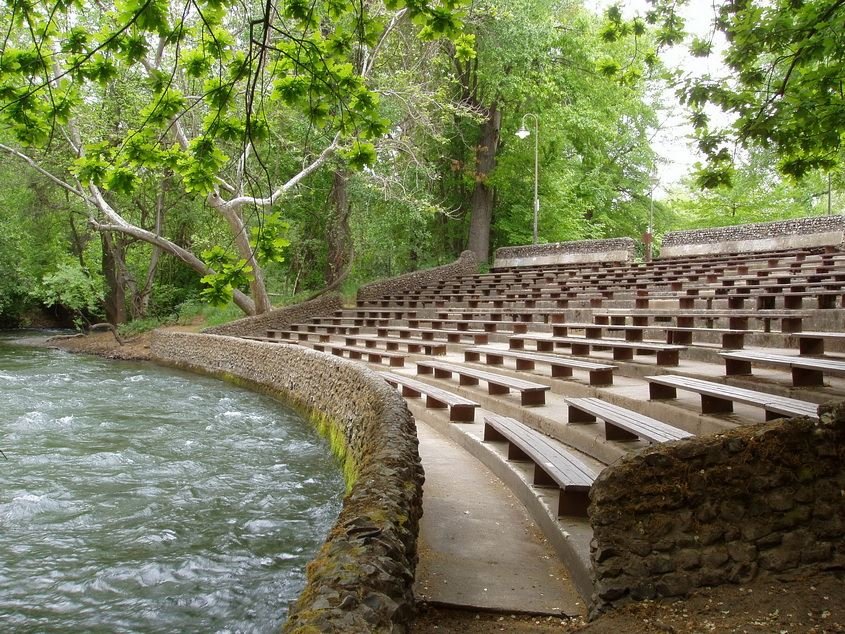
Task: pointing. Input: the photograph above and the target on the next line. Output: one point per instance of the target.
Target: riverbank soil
(797, 604)
(801, 603)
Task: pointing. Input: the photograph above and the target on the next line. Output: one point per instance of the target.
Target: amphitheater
(667, 425)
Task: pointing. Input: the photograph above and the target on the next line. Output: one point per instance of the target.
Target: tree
(783, 83)
(224, 95)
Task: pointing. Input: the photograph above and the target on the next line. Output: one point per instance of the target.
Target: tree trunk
(115, 300)
(337, 231)
(483, 195)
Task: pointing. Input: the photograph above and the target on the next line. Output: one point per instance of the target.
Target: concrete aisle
(478, 546)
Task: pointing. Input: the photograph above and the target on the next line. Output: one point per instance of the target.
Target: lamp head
(523, 132)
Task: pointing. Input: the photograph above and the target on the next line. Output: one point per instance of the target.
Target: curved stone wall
(466, 264)
(575, 252)
(720, 509)
(280, 318)
(817, 231)
(362, 579)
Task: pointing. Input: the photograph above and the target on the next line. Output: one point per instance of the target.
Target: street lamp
(522, 133)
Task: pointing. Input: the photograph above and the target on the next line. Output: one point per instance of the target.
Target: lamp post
(522, 133)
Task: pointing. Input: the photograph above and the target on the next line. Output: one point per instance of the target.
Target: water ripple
(145, 500)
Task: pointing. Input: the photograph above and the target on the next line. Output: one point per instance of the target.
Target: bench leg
(577, 415)
(735, 367)
(524, 364)
(623, 354)
(667, 357)
(516, 454)
(442, 374)
(658, 391)
(433, 403)
(612, 432)
(790, 324)
(807, 345)
(581, 350)
(494, 388)
(601, 378)
(561, 371)
(495, 359)
(491, 434)
(715, 405)
(573, 503)
(733, 341)
(805, 377)
(533, 398)
(471, 356)
(462, 413)
(409, 392)
(516, 343)
(397, 362)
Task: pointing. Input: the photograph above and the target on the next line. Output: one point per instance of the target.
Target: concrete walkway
(478, 546)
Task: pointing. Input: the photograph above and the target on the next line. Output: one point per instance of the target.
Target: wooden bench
(461, 410)
(373, 355)
(806, 371)
(621, 423)
(791, 321)
(810, 342)
(718, 398)
(732, 338)
(601, 374)
(414, 346)
(332, 329)
(596, 331)
(530, 393)
(452, 336)
(666, 354)
(463, 325)
(553, 465)
(298, 335)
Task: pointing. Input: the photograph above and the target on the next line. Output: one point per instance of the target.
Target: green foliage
(74, 289)
(782, 87)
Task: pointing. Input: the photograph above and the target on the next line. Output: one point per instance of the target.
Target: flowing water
(140, 499)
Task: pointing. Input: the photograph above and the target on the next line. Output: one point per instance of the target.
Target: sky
(672, 141)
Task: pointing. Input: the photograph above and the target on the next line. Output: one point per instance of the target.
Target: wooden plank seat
(373, 355)
(333, 329)
(666, 353)
(812, 342)
(718, 398)
(414, 346)
(732, 339)
(461, 410)
(428, 334)
(601, 374)
(595, 331)
(806, 371)
(487, 325)
(530, 393)
(298, 335)
(553, 464)
(791, 321)
(621, 423)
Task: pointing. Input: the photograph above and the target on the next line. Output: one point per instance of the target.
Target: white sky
(672, 141)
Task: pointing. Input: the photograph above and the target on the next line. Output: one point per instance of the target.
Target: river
(140, 499)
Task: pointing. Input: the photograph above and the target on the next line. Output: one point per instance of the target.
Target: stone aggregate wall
(818, 231)
(280, 318)
(756, 500)
(362, 578)
(466, 264)
(577, 251)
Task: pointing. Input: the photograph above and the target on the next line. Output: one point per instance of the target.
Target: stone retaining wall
(720, 509)
(362, 578)
(578, 251)
(280, 318)
(818, 231)
(466, 264)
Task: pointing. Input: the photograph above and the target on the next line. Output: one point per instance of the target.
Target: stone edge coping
(466, 264)
(755, 231)
(362, 578)
(280, 318)
(574, 246)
